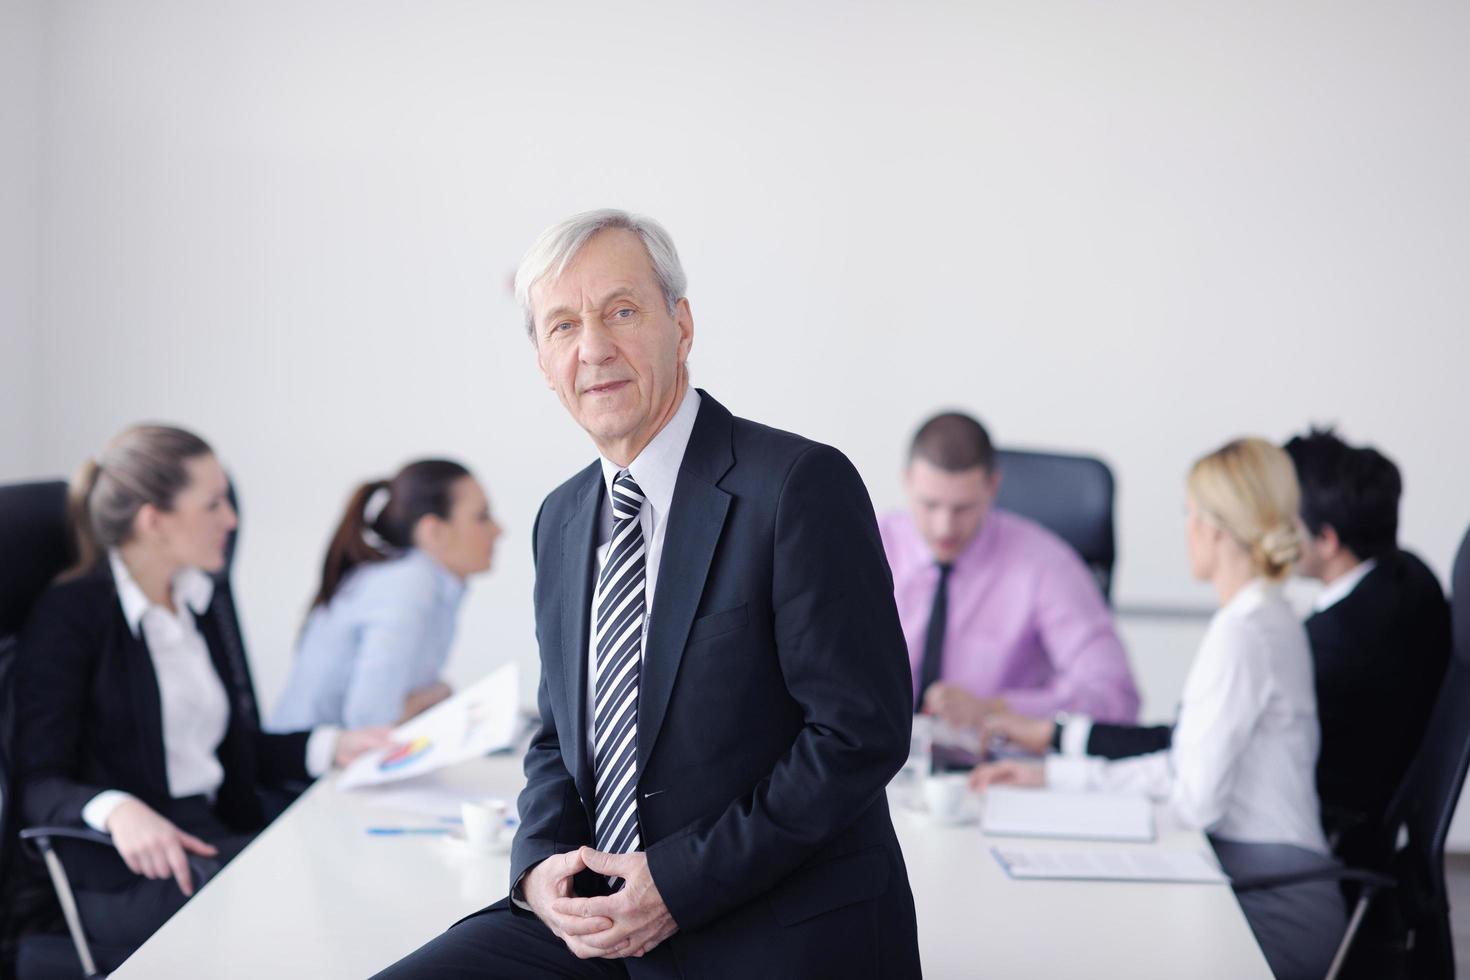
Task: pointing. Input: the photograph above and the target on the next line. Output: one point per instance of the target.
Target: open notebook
(1055, 813)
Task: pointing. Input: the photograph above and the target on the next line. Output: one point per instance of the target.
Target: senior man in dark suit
(724, 686)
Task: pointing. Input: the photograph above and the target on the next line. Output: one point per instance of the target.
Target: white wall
(1136, 229)
(22, 41)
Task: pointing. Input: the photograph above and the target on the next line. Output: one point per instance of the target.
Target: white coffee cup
(947, 796)
(485, 823)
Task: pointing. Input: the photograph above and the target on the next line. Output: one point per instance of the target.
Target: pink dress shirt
(1026, 619)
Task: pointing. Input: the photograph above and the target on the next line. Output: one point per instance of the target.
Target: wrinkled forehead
(610, 263)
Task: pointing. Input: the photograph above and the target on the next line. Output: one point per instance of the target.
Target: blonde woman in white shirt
(1243, 754)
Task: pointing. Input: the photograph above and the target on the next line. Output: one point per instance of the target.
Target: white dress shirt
(1341, 587)
(656, 471)
(1244, 755)
(192, 699)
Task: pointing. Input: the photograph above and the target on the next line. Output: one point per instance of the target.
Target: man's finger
(613, 942)
(574, 906)
(192, 843)
(572, 862)
(581, 949)
(604, 863)
(577, 925)
(607, 906)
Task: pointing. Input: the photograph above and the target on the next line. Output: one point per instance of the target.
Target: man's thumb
(602, 862)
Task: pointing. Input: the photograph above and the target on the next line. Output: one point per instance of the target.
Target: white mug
(946, 795)
(485, 823)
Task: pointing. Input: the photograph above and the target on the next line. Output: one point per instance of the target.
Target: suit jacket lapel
(578, 556)
(696, 518)
(147, 703)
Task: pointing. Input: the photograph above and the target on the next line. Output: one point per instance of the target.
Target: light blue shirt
(386, 633)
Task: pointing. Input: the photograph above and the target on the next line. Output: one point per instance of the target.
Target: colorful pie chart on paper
(406, 754)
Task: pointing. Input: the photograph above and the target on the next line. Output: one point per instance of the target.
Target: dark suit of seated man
(724, 686)
(1380, 635)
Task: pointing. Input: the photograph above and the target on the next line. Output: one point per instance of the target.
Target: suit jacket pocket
(716, 623)
(846, 880)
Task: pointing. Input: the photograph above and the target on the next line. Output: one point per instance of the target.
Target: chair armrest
(1368, 879)
(39, 838)
(40, 834)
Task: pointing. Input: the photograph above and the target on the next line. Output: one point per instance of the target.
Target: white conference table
(316, 896)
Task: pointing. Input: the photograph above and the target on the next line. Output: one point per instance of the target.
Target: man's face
(607, 345)
(949, 508)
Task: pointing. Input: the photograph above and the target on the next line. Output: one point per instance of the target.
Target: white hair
(560, 243)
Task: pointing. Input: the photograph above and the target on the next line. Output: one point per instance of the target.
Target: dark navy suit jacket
(774, 707)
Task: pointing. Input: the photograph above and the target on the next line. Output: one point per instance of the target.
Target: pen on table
(394, 831)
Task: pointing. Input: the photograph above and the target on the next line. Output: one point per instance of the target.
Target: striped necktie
(620, 604)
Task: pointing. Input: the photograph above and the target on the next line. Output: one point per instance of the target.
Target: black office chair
(1071, 496)
(38, 546)
(1420, 816)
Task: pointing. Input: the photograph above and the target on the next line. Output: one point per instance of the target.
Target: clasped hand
(629, 922)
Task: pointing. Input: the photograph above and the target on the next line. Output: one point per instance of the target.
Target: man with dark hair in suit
(1380, 633)
(724, 691)
(1380, 637)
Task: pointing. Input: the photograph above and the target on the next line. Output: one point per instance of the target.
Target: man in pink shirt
(999, 613)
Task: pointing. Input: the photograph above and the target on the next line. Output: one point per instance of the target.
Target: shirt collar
(1339, 588)
(1252, 594)
(984, 540)
(451, 586)
(191, 588)
(656, 469)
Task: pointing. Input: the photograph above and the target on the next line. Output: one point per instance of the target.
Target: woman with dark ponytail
(383, 620)
(129, 714)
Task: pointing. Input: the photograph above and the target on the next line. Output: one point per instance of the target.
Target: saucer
(457, 842)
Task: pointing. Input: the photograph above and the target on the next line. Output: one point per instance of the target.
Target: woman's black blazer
(88, 714)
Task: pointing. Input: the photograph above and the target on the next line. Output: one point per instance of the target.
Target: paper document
(476, 721)
(1055, 813)
(1165, 864)
(426, 796)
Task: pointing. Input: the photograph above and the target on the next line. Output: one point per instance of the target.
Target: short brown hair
(954, 442)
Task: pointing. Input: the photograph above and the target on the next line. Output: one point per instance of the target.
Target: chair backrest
(34, 548)
(1072, 496)
(1426, 801)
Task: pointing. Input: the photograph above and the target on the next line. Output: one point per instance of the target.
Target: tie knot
(627, 497)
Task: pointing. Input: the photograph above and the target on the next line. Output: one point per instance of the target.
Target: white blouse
(1244, 755)
(191, 697)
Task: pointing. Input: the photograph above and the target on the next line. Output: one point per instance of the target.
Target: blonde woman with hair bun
(1239, 763)
(1245, 492)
